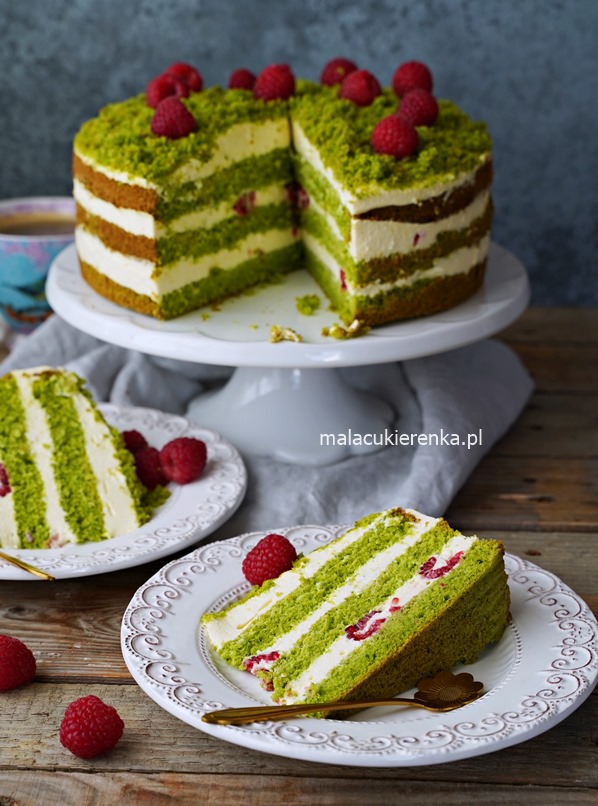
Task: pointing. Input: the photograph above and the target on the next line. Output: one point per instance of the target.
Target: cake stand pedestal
(283, 396)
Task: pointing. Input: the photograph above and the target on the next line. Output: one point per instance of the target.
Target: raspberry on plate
(394, 136)
(419, 107)
(165, 86)
(275, 82)
(134, 441)
(90, 727)
(336, 70)
(411, 76)
(149, 468)
(172, 119)
(187, 73)
(268, 559)
(183, 459)
(241, 79)
(17, 663)
(361, 87)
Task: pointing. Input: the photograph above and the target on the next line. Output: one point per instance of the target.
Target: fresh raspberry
(336, 70)
(172, 119)
(183, 459)
(241, 79)
(17, 663)
(187, 73)
(90, 727)
(419, 107)
(411, 76)
(395, 136)
(245, 203)
(273, 555)
(149, 468)
(163, 87)
(134, 441)
(275, 82)
(361, 87)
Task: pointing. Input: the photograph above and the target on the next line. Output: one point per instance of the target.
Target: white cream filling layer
(137, 222)
(41, 446)
(241, 141)
(120, 516)
(344, 646)
(138, 275)
(367, 574)
(370, 198)
(378, 239)
(458, 262)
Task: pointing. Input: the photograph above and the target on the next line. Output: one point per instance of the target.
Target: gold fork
(31, 569)
(443, 692)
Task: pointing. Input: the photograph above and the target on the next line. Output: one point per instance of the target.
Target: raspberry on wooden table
(271, 557)
(90, 727)
(241, 79)
(149, 468)
(394, 136)
(17, 663)
(183, 459)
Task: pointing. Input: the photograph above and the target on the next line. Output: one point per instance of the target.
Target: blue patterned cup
(32, 232)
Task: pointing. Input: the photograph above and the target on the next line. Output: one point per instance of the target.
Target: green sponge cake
(398, 597)
(188, 198)
(65, 474)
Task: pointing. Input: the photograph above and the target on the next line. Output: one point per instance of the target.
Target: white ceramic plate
(238, 334)
(543, 668)
(192, 512)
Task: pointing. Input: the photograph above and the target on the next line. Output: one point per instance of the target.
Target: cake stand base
(290, 414)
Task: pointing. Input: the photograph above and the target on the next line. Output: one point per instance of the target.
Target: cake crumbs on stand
(278, 333)
(354, 330)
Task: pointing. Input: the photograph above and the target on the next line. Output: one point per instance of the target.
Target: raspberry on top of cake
(398, 597)
(187, 195)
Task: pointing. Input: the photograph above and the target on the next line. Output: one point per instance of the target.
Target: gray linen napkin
(479, 388)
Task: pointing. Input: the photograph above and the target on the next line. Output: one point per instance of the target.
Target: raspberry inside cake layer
(399, 597)
(65, 475)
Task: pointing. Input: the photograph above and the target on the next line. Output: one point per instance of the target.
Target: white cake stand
(282, 396)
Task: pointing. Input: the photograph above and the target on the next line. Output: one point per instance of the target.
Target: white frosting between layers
(120, 516)
(364, 577)
(42, 451)
(241, 141)
(387, 198)
(137, 222)
(138, 275)
(239, 617)
(378, 239)
(343, 646)
(458, 262)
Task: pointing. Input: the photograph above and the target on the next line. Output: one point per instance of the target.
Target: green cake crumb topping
(121, 137)
(341, 130)
(352, 331)
(278, 333)
(308, 304)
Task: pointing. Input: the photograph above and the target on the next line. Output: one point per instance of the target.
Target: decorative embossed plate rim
(192, 512)
(543, 668)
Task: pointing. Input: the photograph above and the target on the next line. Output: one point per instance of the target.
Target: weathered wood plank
(529, 493)
(557, 367)
(156, 742)
(560, 426)
(79, 789)
(561, 325)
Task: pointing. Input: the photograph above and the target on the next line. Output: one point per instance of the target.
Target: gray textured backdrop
(524, 66)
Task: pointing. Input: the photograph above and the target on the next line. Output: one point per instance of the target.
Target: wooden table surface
(537, 491)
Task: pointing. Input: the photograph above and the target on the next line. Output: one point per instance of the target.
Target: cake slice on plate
(65, 474)
(397, 598)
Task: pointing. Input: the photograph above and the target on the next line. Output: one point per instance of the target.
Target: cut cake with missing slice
(397, 598)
